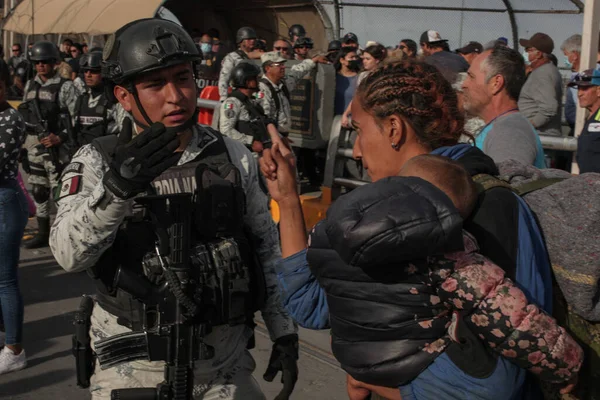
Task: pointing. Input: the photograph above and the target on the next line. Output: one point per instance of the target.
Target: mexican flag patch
(259, 95)
(68, 187)
(228, 106)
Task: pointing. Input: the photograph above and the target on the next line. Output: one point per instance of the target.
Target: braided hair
(419, 93)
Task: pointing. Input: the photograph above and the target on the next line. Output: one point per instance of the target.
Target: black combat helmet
(334, 45)
(146, 45)
(245, 33)
(91, 61)
(304, 41)
(143, 46)
(44, 51)
(296, 30)
(242, 73)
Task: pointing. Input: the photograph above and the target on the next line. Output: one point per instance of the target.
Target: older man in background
(541, 96)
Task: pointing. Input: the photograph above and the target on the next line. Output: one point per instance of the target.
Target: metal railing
(339, 151)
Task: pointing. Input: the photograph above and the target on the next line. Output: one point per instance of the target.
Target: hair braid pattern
(420, 94)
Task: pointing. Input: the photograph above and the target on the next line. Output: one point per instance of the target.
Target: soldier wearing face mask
(348, 66)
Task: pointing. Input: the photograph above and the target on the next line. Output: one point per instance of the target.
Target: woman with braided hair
(401, 111)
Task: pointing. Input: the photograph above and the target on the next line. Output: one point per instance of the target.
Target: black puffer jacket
(382, 313)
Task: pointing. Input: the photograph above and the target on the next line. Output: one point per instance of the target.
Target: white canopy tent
(36, 17)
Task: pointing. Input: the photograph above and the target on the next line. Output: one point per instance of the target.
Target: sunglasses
(74, 51)
(582, 77)
(281, 48)
(16, 50)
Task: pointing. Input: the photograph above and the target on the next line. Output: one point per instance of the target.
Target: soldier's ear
(124, 97)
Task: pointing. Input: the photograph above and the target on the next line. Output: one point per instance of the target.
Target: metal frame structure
(339, 4)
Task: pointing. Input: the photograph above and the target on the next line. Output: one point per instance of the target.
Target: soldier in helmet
(333, 50)
(302, 47)
(296, 31)
(241, 117)
(149, 67)
(51, 95)
(246, 40)
(94, 113)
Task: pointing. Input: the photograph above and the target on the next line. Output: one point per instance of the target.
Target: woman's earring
(395, 146)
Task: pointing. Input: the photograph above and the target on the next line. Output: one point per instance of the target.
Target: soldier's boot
(42, 236)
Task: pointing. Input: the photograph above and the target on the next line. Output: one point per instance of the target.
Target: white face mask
(526, 57)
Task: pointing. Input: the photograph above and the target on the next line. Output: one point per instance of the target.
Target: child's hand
(570, 386)
(355, 389)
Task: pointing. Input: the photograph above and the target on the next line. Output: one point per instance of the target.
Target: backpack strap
(537, 185)
(242, 54)
(485, 182)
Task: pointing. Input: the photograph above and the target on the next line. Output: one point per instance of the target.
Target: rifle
(73, 144)
(173, 329)
(258, 123)
(42, 131)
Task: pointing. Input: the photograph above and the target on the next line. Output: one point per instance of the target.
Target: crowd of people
(433, 284)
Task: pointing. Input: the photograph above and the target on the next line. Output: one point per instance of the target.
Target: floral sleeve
(499, 313)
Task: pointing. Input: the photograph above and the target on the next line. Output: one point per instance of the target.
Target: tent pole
(589, 58)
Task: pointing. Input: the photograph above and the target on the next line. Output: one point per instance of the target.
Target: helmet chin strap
(179, 128)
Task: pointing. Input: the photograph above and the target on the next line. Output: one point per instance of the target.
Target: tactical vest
(275, 93)
(234, 285)
(256, 127)
(90, 122)
(47, 97)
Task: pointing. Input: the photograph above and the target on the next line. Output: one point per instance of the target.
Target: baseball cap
(350, 37)
(590, 77)
(539, 41)
(273, 57)
(471, 47)
(432, 37)
(503, 40)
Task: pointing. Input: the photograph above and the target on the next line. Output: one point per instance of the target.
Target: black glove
(138, 162)
(284, 358)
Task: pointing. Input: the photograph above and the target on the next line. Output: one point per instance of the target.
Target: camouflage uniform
(229, 62)
(232, 111)
(79, 85)
(86, 226)
(284, 116)
(47, 175)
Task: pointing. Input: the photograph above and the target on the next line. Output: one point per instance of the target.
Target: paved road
(51, 296)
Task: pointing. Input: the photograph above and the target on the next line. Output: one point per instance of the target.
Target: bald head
(448, 176)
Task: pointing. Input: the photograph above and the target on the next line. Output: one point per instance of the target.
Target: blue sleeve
(570, 107)
(303, 298)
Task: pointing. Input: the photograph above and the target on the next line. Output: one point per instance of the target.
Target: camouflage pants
(43, 173)
(229, 383)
